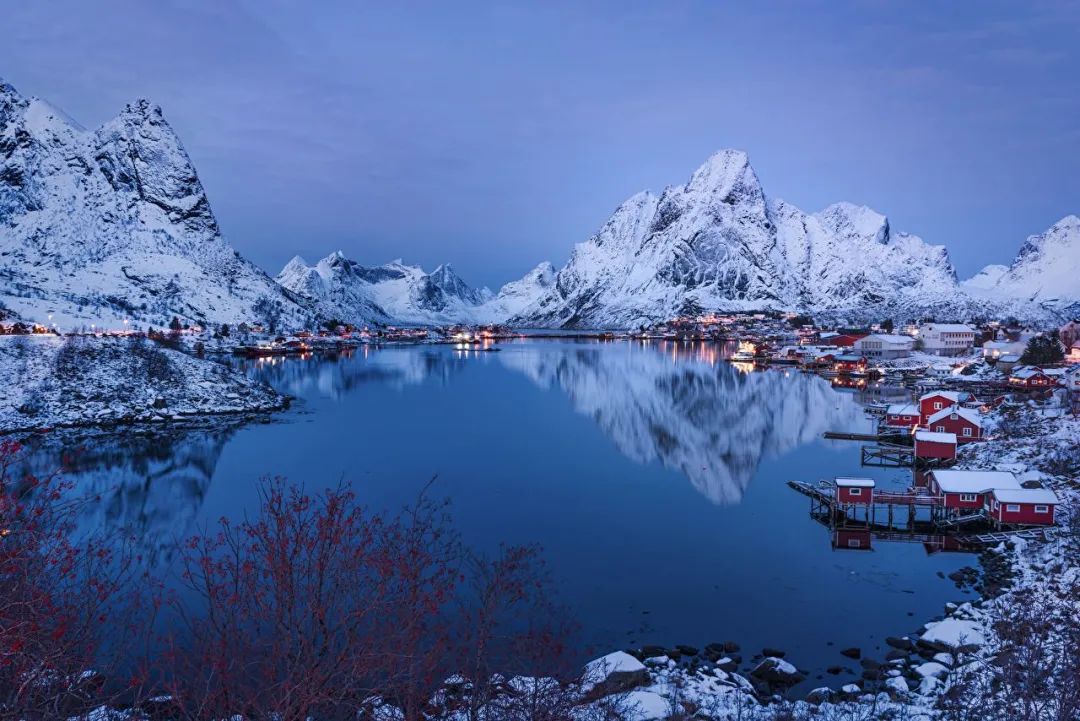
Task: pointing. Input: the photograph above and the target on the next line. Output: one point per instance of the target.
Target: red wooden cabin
(1023, 506)
(968, 490)
(854, 490)
(930, 445)
(899, 415)
(849, 363)
(934, 401)
(963, 422)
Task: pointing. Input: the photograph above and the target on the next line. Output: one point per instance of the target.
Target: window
(969, 497)
(854, 543)
(1042, 509)
(941, 429)
(855, 491)
(1012, 507)
(967, 432)
(937, 405)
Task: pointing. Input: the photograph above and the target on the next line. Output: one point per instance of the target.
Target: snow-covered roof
(1027, 372)
(954, 396)
(887, 338)
(855, 482)
(949, 327)
(974, 481)
(965, 413)
(1025, 495)
(902, 409)
(849, 357)
(1009, 358)
(933, 437)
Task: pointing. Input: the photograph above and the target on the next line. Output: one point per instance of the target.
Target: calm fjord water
(653, 475)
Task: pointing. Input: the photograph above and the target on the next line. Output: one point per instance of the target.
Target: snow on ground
(50, 381)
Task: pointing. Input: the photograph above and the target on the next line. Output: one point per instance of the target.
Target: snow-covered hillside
(98, 226)
(51, 382)
(721, 242)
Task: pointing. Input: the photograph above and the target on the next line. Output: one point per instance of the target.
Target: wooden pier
(937, 531)
(879, 437)
(888, 455)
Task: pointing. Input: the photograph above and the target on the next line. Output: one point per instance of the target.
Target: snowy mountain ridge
(113, 224)
(721, 243)
(400, 293)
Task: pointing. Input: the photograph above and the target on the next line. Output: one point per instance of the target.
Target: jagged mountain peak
(720, 240)
(850, 219)
(113, 223)
(722, 171)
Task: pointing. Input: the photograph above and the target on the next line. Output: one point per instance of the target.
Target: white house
(946, 338)
(880, 345)
(995, 349)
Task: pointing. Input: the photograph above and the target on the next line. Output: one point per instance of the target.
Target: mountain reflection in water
(681, 404)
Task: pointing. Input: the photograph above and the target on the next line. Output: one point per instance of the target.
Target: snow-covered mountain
(343, 289)
(1046, 271)
(111, 224)
(720, 241)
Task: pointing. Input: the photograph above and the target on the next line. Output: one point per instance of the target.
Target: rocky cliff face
(113, 223)
(721, 242)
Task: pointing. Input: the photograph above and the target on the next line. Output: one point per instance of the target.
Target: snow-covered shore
(1016, 645)
(52, 382)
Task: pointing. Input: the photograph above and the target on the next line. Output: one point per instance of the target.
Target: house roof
(890, 338)
(949, 327)
(1009, 358)
(1025, 495)
(932, 437)
(849, 357)
(974, 481)
(855, 482)
(954, 396)
(902, 409)
(965, 413)
(1027, 372)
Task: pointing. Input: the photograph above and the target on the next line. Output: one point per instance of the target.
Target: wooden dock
(878, 437)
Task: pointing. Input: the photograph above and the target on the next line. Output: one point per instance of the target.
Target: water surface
(653, 475)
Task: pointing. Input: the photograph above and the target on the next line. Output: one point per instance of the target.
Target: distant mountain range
(111, 224)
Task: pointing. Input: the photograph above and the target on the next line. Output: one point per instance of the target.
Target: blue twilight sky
(494, 136)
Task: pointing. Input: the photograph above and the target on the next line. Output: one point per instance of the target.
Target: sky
(495, 136)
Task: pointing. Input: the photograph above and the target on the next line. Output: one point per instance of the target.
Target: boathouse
(858, 491)
(969, 490)
(899, 415)
(934, 401)
(963, 422)
(1025, 506)
(930, 445)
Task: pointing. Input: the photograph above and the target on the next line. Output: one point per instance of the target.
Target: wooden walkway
(886, 437)
(986, 539)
